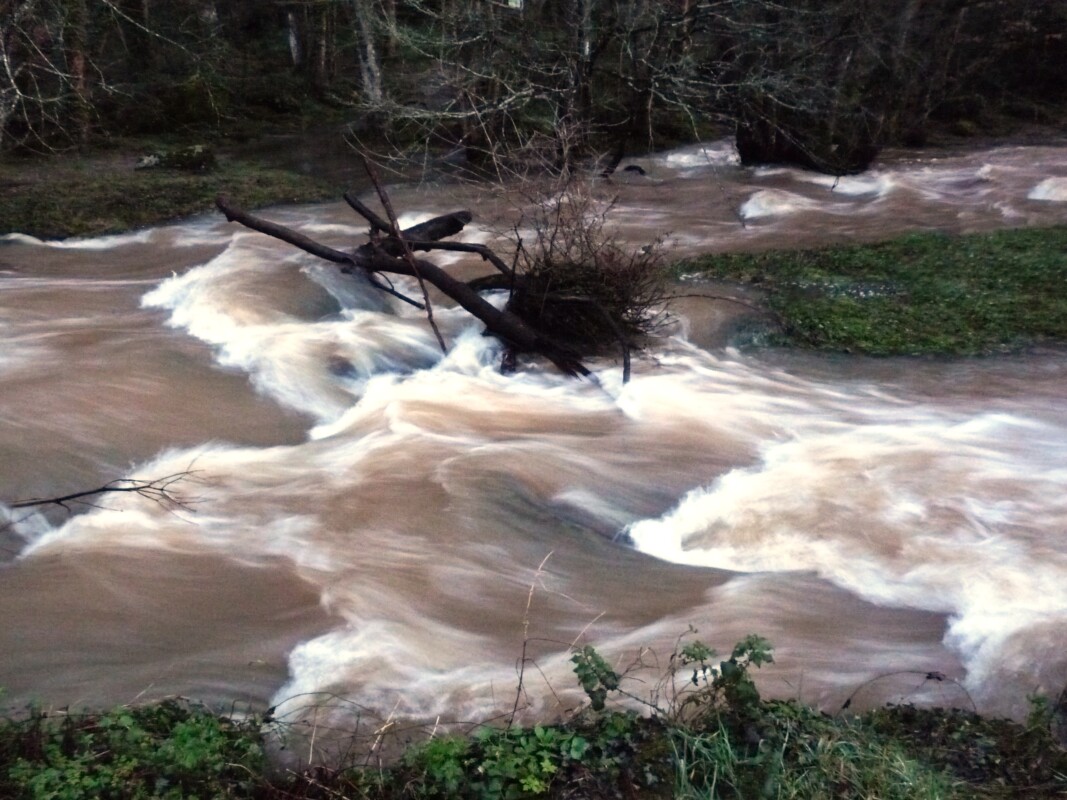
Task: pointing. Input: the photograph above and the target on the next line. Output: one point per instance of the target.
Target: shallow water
(366, 517)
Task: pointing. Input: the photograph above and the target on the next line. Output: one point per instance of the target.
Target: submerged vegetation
(925, 293)
(705, 733)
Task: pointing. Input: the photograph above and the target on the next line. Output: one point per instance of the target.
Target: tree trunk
(76, 41)
(370, 68)
(296, 38)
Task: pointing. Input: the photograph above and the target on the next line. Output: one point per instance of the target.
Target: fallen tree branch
(288, 235)
(506, 326)
(405, 250)
(426, 235)
(158, 490)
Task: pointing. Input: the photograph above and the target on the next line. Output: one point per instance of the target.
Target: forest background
(822, 83)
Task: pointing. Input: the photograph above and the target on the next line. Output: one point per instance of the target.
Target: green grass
(98, 200)
(919, 294)
(802, 754)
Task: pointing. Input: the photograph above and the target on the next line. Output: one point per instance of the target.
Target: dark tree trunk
(76, 39)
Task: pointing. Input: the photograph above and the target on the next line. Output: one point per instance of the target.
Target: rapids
(365, 518)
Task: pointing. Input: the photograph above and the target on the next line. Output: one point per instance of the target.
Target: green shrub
(168, 751)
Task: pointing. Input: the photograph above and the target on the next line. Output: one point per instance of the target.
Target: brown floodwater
(366, 520)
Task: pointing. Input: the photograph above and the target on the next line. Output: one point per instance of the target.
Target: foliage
(169, 751)
(531, 762)
(791, 751)
(820, 82)
(918, 294)
(716, 740)
(998, 753)
(594, 676)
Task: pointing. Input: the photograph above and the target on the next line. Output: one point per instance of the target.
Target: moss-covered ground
(72, 196)
(925, 293)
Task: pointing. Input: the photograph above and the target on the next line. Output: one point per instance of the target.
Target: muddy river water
(364, 517)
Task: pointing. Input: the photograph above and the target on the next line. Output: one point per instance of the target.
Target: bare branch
(308, 245)
(507, 326)
(158, 490)
(407, 254)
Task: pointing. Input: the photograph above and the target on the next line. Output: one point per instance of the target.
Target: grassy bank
(709, 735)
(925, 293)
(57, 198)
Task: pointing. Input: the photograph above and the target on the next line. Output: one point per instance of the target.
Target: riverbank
(100, 191)
(708, 735)
(920, 294)
(103, 193)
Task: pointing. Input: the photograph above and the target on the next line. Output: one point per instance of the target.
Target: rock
(195, 158)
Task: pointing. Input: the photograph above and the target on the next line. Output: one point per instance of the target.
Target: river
(365, 521)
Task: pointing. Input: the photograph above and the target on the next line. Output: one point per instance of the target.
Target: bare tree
(35, 83)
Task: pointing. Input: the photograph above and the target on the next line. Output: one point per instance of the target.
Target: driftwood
(390, 251)
(159, 490)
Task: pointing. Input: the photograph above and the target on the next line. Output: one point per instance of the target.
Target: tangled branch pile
(573, 291)
(579, 283)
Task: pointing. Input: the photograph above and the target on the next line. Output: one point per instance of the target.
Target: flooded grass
(925, 293)
(54, 201)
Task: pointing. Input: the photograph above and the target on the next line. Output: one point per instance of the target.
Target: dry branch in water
(574, 292)
(390, 251)
(158, 490)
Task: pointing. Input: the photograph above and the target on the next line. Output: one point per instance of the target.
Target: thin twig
(926, 675)
(157, 489)
(526, 635)
(373, 278)
(408, 255)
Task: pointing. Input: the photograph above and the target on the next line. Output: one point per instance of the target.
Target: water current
(366, 517)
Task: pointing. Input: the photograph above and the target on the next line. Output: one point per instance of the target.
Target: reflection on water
(367, 517)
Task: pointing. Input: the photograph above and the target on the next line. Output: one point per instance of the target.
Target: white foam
(94, 243)
(1053, 190)
(711, 154)
(412, 675)
(774, 203)
(314, 367)
(878, 184)
(917, 541)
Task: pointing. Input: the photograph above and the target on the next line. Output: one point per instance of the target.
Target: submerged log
(387, 255)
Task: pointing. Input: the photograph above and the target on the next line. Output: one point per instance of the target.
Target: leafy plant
(164, 751)
(595, 676)
(712, 686)
(495, 763)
